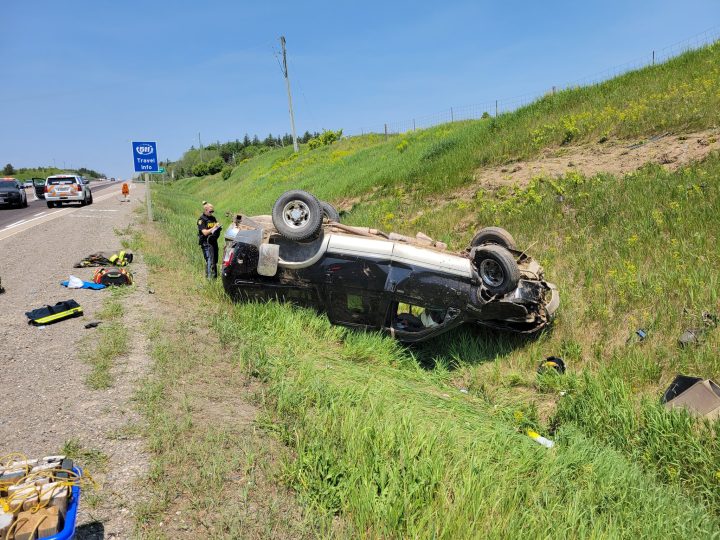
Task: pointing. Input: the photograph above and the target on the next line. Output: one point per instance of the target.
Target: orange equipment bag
(112, 276)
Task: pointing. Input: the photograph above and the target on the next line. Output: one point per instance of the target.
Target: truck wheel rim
(296, 214)
(491, 273)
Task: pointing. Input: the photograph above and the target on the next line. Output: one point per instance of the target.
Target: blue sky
(82, 79)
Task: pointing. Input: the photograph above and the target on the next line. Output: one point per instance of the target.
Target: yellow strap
(56, 316)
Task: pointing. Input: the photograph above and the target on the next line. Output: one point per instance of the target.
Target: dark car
(411, 288)
(12, 193)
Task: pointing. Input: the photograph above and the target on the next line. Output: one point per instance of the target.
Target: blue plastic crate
(68, 531)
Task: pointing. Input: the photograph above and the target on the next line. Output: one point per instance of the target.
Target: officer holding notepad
(208, 233)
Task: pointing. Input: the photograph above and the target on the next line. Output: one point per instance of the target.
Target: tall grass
(400, 452)
(382, 433)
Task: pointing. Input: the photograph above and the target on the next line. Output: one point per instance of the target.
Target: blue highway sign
(145, 156)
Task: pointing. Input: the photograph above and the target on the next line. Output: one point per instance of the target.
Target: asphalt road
(37, 209)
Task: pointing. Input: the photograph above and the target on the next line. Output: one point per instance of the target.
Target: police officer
(208, 233)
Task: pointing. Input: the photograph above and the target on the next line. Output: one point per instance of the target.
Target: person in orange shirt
(126, 191)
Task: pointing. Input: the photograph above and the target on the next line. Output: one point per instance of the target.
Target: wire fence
(505, 105)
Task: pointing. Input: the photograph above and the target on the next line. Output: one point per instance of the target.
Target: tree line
(233, 148)
(28, 172)
(217, 157)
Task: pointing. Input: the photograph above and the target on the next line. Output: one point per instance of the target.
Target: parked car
(410, 288)
(12, 193)
(27, 184)
(65, 188)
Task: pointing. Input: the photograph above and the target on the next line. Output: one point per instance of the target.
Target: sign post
(147, 197)
(146, 161)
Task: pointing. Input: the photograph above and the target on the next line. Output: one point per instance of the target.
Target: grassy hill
(382, 433)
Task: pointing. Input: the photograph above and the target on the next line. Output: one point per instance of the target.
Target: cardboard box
(699, 397)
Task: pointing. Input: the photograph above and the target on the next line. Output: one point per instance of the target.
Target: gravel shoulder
(47, 405)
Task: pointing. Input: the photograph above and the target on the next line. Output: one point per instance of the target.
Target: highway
(14, 220)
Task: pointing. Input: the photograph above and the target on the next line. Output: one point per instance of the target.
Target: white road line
(16, 223)
(41, 213)
(20, 226)
(24, 221)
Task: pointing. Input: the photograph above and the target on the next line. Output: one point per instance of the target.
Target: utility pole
(201, 148)
(287, 83)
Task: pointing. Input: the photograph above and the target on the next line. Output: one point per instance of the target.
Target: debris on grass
(552, 363)
(542, 441)
(700, 397)
(695, 336)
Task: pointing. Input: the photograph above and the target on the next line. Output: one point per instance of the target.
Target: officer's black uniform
(209, 244)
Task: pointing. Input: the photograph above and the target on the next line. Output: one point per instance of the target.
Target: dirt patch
(346, 204)
(613, 157)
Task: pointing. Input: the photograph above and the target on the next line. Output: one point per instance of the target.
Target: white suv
(64, 188)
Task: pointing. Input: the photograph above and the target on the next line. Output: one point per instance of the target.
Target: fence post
(452, 117)
(653, 58)
(386, 132)
(496, 108)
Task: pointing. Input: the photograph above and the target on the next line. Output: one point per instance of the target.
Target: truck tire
(297, 215)
(329, 211)
(493, 235)
(497, 268)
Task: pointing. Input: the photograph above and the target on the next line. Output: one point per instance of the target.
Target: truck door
(356, 294)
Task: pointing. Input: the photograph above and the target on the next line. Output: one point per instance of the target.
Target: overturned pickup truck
(363, 278)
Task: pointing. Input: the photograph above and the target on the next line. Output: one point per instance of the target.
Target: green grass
(382, 434)
(680, 95)
(209, 463)
(92, 462)
(93, 459)
(109, 340)
(399, 452)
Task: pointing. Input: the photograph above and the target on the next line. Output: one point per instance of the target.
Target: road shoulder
(216, 466)
(49, 406)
